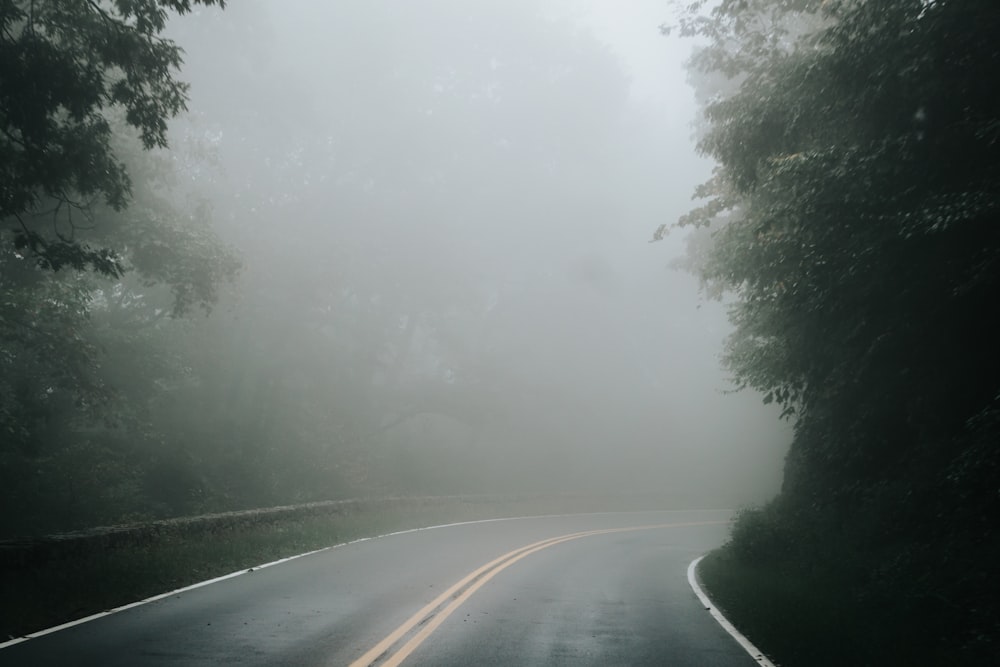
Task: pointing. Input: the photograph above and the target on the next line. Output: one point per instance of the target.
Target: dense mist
(441, 214)
(443, 211)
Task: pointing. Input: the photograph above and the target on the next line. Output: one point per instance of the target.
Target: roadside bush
(757, 535)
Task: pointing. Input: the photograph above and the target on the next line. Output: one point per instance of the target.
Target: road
(596, 589)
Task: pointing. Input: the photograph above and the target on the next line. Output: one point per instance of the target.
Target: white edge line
(754, 652)
(178, 591)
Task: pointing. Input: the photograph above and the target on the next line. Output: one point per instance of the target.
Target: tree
(85, 359)
(854, 216)
(65, 67)
(858, 183)
(87, 192)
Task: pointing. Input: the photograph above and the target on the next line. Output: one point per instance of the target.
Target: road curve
(594, 589)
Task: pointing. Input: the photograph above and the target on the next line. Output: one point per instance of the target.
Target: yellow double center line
(434, 613)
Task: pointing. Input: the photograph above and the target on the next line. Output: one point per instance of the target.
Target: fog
(443, 212)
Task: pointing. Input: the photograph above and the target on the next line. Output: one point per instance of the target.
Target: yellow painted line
(472, 582)
(376, 651)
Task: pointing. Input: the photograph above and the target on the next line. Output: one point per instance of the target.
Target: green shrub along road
(817, 598)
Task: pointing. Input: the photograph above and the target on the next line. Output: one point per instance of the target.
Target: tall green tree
(855, 207)
(65, 67)
(855, 217)
(100, 246)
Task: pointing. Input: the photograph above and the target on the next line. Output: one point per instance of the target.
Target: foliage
(788, 612)
(854, 157)
(754, 536)
(83, 359)
(88, 192)
(854, 217)
(64, 66)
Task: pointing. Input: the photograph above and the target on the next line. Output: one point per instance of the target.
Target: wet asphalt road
(609, 598)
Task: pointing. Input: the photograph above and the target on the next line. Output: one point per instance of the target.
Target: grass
(802, 617)
(52, 593)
